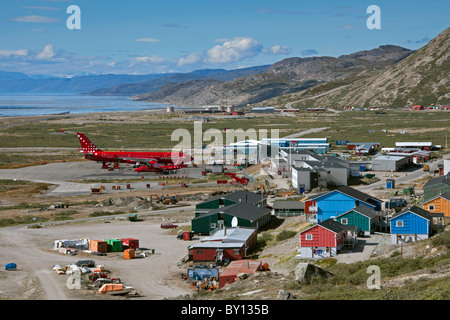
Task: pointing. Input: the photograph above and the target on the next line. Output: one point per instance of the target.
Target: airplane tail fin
(86, 145)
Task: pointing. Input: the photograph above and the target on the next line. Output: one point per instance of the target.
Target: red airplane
(153, 161)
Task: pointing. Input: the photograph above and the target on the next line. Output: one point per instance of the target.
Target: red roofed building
(236, 267)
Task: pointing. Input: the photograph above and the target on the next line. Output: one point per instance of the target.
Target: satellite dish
(234, 222)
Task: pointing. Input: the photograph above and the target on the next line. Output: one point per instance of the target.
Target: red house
(224, 244)
(325, 239)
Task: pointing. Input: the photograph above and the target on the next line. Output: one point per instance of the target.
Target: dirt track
(155, 276)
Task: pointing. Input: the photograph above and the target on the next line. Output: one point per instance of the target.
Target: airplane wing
(141, 160)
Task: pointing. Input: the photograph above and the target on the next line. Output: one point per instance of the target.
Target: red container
(130, 243)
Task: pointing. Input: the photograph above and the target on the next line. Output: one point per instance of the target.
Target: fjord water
(50, 104)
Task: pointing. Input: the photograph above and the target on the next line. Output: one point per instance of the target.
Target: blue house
(334, 203)
(411, 224)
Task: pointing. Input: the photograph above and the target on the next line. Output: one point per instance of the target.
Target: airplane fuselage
(127, 157)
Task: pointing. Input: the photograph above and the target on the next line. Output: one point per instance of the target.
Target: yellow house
(439, 204)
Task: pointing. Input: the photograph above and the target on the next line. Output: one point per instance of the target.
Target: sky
(154, 36)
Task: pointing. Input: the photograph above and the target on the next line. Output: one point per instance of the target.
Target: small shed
(390, 184)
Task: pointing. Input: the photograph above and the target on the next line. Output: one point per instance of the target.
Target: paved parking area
(375, 243)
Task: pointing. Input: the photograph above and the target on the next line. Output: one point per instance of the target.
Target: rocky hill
(421, 78)
(285, 77)
(240, 91)
(329, 68)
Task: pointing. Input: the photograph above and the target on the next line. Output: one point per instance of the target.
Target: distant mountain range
(385, 76)
(285, 77)
(111, 84)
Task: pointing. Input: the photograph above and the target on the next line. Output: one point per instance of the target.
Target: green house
(224, 200)
(114, 245)
(236, 215)
(362, 217)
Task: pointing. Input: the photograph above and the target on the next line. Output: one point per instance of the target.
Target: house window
(199, 251)
(431, 207)
(236, 251)
(213, 225)
(399, 224)
(344, 221)
(309, 236)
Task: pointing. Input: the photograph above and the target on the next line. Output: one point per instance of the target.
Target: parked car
(168, 225)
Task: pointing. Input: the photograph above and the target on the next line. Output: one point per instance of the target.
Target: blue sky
(147, 36)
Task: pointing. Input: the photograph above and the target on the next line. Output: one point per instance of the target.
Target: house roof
(283, 204)
(362, 209)
(350, 192)
(241, 210)
(357, 194)
(443, 179)
(333, 226)
(230, 235)
(240, 196)
(416, 210)
(445, 195)
(242, 266)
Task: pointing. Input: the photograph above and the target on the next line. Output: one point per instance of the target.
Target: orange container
(98, 246)
(129, 254)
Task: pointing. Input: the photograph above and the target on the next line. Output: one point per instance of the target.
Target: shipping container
(98, 246)
(130, 243)
(129, 254)
(114, 245)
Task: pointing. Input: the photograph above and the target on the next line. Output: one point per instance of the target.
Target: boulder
(305, 272)
(283, 295)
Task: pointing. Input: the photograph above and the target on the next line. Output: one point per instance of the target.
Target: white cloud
(146, 60)
(35, 19)
(47, 53)
(277, 49)
(233, 51)
(13, 53)
(190, 59)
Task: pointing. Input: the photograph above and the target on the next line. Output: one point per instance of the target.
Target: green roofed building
(224, 200)
(234, 215)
